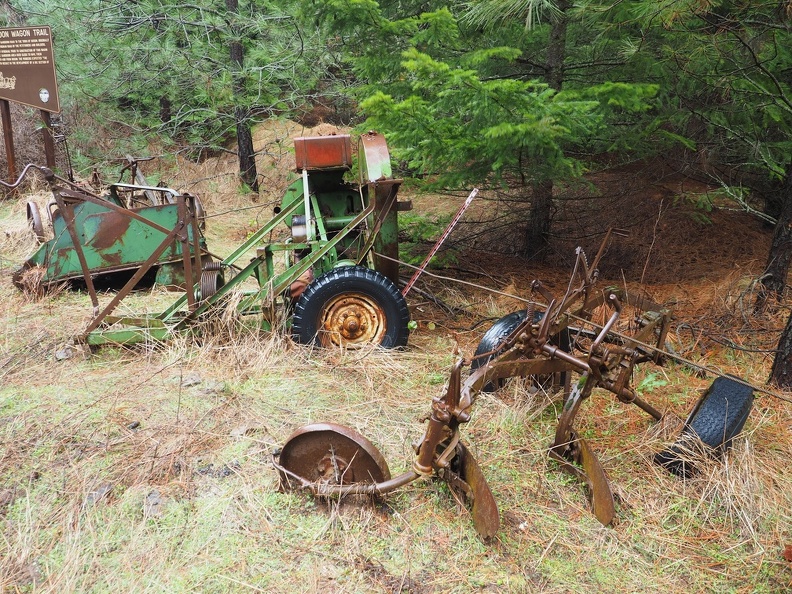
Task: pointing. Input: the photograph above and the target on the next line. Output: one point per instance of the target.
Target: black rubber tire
(326, 294)
(718, 417)
(492, 339)
(498, 332)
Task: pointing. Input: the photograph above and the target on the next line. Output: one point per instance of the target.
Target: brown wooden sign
(27, 68)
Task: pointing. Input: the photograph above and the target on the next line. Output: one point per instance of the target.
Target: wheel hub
(331, 469)
(353, 319)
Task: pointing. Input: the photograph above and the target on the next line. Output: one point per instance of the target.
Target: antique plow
(542, 342)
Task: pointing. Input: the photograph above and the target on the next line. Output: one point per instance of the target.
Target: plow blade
(485, 509)
(578, 459)
(601, 495)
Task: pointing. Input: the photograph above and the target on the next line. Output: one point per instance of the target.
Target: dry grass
(148, 468)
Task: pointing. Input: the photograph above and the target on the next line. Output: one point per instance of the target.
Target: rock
(99, 494)
(152, 506)
(191, 379)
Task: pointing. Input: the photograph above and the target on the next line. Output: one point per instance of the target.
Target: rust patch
(111, 229)
(112, 258)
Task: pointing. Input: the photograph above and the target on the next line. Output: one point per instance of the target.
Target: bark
(774, 279)
(781, 372)
(540, 218)
(166, 112)
(247, 155)
(556, 48)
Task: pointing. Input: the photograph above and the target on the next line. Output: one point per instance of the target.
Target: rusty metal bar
(326, 490)
(68, 216)
(389, 203)
(127, 288)
(184, 238)
(22, 175)
(193, 213)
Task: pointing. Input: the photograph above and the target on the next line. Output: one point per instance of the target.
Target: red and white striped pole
(440, 241)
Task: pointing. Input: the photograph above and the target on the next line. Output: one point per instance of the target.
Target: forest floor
(149, 468)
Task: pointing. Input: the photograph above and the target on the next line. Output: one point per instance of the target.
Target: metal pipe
(144, 187)
(307, 203)
(559, 353)
(609, 324)
(366, 488)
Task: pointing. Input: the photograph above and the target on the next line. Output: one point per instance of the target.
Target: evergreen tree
(198, 73)
(468, 96)
(727, 69)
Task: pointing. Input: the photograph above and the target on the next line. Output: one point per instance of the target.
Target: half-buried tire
(718, 417)
(494, 338)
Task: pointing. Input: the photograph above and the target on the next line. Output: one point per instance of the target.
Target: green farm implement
(336, 272)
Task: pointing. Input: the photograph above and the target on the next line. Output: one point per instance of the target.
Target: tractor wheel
(34, 219)
(349, 307)
(718, 416)
(497, 334)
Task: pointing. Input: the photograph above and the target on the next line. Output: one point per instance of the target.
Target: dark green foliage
(466, 98)
(418, 233)
(159, 66)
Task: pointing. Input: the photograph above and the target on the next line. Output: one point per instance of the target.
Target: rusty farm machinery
(336, 272)
(547, 344)
(109, 235)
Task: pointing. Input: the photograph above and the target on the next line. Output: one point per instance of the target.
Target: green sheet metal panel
(111, 241)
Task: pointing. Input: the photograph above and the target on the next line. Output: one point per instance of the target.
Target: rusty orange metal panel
(323, 152)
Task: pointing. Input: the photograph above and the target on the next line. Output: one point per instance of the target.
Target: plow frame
(607, 361)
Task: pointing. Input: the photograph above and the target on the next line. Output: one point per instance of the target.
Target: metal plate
(374, 158)
(601, 495)
(485, 509)
(331, 454)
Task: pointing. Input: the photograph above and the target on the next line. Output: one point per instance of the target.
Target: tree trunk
(165, 112)
(781, 372)
(539, 221)
(247, 155)
(556, 47)
(536, 235)
(776, 271)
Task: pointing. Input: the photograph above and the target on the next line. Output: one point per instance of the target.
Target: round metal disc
(34, 219)
(332, 454)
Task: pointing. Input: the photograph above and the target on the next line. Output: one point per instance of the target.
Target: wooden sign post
(27, 76)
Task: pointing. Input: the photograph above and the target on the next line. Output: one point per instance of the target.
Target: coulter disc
(331, 454)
